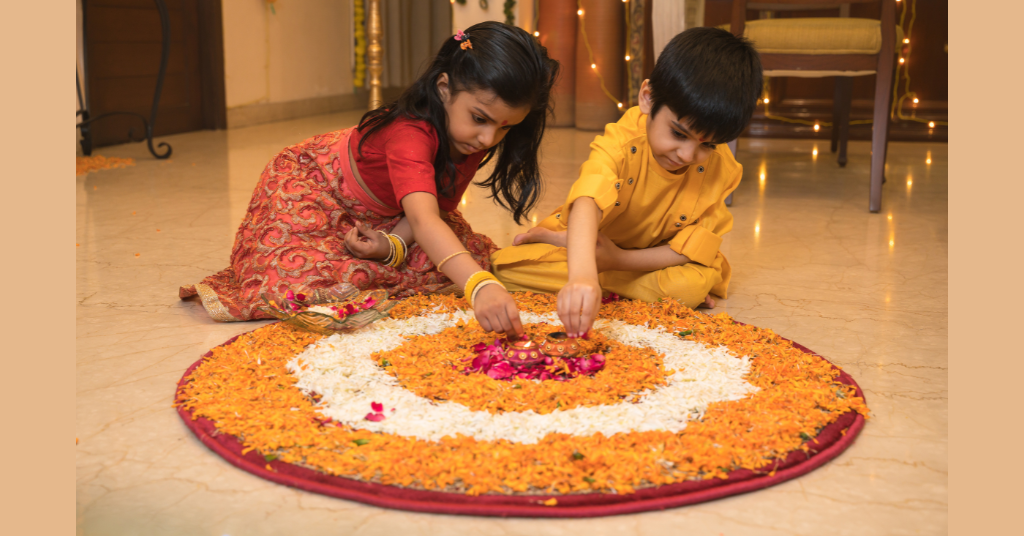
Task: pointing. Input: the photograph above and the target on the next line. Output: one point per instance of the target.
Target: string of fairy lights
(902, 75)
(902, 71)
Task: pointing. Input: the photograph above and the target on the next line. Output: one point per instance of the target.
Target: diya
(558, 344)
(525, 353)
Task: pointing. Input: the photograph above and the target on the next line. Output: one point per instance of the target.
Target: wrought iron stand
(148, 125)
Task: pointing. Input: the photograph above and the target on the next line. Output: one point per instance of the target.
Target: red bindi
(505, 122)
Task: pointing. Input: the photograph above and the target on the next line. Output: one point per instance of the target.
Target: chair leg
(841, 127)
(883, 90)
(836, 99)
(733, 146)
(880, 133)
(888, 128)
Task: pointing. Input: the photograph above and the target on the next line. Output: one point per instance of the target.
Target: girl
(375, 205)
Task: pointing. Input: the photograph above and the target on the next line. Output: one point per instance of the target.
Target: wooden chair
(842, 47)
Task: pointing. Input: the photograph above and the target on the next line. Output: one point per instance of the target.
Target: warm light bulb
(627, 57)
(620, 105)
(916, 100)
(817, 127)
(892, 243)
(890, 217)
(757, 228)
(901, 61)
(766, 100)
(814, 152)
(536, 34)
(593, 66)
(931, 124)
(910, 182)
(906, 41)
(762, 176)
(928, 161)
(579, 12)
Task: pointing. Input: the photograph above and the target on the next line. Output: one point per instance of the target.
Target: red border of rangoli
(829, 443)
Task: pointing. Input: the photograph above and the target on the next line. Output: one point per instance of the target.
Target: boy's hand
(578, 303)
(365, 243)
(606, 254)
(496, 311)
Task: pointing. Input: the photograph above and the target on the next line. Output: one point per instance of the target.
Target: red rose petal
(377, 406)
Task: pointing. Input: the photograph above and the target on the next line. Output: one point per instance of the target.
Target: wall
(464, 16)
(292, 63)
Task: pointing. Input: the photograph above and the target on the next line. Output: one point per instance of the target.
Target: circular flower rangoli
(688, 407)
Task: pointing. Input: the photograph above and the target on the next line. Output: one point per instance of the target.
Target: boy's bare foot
(709, 302)
(540, 235)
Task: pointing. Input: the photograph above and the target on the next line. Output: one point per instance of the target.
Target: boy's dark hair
(511, 63)
(712, 78)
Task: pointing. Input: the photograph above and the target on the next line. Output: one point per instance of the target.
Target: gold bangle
(399, 248)
(391, 255)
(475, 280)
(444, 260)
(480, 285)
(405, 247)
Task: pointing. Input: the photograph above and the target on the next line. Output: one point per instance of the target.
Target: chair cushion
(820, 35)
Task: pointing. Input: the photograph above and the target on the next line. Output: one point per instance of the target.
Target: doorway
(123, 45)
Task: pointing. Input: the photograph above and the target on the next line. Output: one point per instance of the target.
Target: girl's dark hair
(712, 78)
(507, 61)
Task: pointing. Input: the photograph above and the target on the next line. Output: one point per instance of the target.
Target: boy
(647, 215)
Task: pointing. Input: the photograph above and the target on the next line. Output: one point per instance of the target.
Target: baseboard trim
(258, 114)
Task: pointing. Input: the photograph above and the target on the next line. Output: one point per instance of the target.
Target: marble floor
(867, 291)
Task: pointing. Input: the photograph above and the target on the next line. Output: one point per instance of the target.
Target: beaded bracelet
(475, 280)
(444, 260)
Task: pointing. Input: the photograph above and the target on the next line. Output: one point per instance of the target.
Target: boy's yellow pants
(544, 268)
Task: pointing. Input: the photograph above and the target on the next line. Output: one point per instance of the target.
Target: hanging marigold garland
(359, 72)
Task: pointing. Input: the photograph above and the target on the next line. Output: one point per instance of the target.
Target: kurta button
(618, 185)
(633, 149)
(630, 181)
(700, 169)
(559, 215)
(617, 203)
(678, 224)
(682, 218)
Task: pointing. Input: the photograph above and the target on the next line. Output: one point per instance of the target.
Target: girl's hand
(578, 303)
(496, 311)
(365, 243)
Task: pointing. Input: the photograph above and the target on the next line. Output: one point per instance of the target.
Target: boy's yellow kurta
(642, 206)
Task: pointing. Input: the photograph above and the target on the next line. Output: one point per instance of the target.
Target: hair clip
(464, 38)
